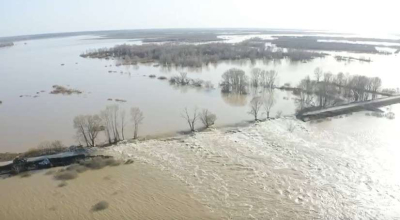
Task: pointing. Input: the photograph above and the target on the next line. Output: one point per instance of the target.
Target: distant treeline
(311, 43)
(357, 39)
(7, 44)
(197, 55)
(187, 38)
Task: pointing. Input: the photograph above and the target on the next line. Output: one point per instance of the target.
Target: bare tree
(137, 118)
(88, 127)
(190, 119)
(234, 80)
(376, 84)
(340, 79)
(107, 125)
(268, 102)
(256, 77)
(123, 123)
(114, 114)
(207, 118)
(110, 122)
(94, 128)
(318, 74)
(328, 77)
(80, 126)
(271, 78)
(255, 107)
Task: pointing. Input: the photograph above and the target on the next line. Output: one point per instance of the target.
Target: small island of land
(197, 55)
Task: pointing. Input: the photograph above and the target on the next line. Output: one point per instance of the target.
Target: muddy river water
(341, 168)
(30, 70)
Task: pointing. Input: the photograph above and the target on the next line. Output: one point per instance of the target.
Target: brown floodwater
(134, 191)
(38, 116)
(341, 168)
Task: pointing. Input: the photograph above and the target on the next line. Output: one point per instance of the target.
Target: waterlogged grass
(72, 172)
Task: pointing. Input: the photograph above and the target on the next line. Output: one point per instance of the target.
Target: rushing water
(345, 168)
(28, 69)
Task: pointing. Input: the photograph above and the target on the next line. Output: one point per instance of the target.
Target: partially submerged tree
(270, 79)
(255, 107)
(268, 102)
(263, 78)
(190, 118)
(376, 84)
(207, 118)
(123, 123)
(137, 118)
(234, 80)
(110, 122)
(256, 77)
(318, 73)
(88, 127)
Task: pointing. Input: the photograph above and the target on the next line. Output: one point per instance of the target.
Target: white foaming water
(265, 172)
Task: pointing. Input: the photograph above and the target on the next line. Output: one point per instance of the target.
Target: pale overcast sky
(20, 17)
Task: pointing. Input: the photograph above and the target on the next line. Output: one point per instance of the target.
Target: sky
(23, 17)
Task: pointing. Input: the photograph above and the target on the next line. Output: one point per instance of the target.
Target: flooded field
(341, 168)
(30, 114)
